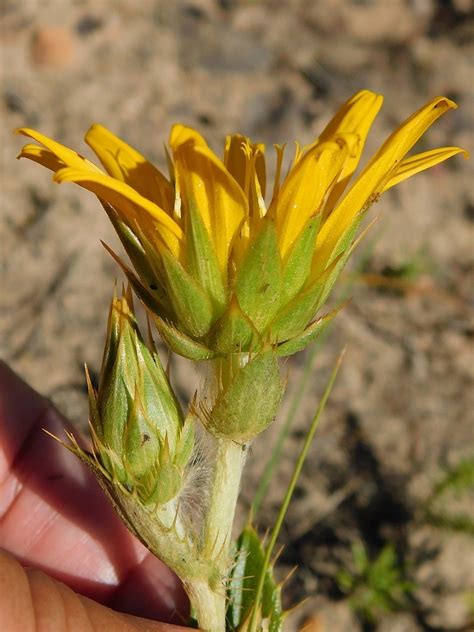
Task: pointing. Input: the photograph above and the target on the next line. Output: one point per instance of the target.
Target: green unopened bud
(141, 437)
(247, 399)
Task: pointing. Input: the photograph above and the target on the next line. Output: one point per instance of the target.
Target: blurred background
(382, 524)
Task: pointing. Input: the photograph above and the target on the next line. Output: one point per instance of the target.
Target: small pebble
(52, 46)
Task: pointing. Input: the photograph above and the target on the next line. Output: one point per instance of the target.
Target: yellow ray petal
(205, 183)
(306, 188)
(419, 162)
(354, 117)
(181, 134)
(280, 151)
(126, 201)
(42, 156)
(126, 164)
(63, 153)
(377, 173)
(236, 160)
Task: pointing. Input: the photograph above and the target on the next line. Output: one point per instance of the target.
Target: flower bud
(140, 435)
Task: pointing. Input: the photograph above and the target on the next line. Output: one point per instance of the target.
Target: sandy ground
(402, 409)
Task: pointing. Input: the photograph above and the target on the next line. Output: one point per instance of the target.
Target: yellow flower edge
(228, 193)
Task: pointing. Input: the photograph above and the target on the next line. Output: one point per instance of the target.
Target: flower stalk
(225, 486)
(234, 278)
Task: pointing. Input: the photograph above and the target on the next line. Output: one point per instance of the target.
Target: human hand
(61, 535)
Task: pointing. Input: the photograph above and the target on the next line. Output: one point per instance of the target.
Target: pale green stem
(209, 606)
(208, 597)
(229, 463)
(208, 600)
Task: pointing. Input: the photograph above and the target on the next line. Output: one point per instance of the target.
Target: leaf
(243, 584)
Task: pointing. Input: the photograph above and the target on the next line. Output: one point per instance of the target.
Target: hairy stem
(209, 599)
(229, 463)
(209, 606)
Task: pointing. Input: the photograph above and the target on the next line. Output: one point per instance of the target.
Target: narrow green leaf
(258, 283)
(243, 585)
(277, 451)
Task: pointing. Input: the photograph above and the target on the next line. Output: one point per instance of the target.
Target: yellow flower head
(223, 265)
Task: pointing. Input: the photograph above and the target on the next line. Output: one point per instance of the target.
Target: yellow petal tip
(448, 103)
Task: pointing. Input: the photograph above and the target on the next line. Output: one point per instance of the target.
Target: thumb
(31, 601)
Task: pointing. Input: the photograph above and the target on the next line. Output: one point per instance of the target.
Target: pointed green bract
(344, 250)
(191, 305)
(239, 416)
(201, 261)
(296, 315)
(234, 331)
(297, 266)
(182, 344)
(185, 443)
(163, 485)
(139, 256)
(258, 283)
(248, 564)
(309, 335)
(144, 294)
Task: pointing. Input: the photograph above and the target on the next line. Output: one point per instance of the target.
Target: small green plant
(376, 586)
(457, 481)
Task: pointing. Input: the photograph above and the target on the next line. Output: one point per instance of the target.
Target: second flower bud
(140, 435)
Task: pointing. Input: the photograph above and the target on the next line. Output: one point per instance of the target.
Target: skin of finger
(30, 601)
(50, 515)
(17, 402)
